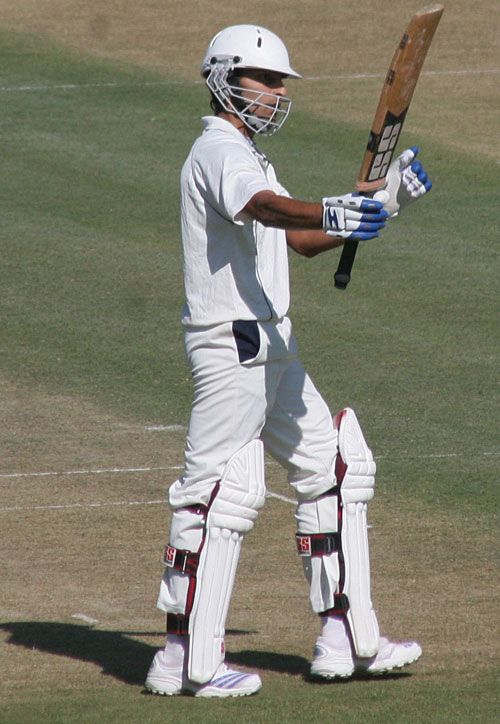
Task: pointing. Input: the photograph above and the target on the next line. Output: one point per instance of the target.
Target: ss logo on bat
(385, 150)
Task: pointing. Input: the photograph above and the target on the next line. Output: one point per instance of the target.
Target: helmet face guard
(258, 116)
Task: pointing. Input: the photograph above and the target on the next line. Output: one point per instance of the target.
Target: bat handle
(343, 274)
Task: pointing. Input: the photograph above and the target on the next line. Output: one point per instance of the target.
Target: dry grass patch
(103, 560)
(329, 37)
(45, 432)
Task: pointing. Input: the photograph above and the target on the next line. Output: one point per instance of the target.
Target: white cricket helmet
(247, 46)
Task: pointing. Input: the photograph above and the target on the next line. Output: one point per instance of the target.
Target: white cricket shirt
(234, 268)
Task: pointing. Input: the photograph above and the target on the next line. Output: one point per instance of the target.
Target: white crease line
(77, 86)
(432, 456)
(363, 76)
(67, 506)
(165, 428)
(271, 463)
(280, 497)
(118, 503)
(96, 471)
(154, 84)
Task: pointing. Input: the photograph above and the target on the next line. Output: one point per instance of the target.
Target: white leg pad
(356, 488)
(216, 574)
(231, 514)
(332, 539)
(361, 615)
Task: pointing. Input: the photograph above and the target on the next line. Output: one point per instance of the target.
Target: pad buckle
(181, 560)
(317, 544)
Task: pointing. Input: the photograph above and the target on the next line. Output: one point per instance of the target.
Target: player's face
(269, 83)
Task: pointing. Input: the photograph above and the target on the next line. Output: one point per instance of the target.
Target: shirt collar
(210, 122)
(215, 122)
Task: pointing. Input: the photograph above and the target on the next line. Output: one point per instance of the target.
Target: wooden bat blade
(396, 96)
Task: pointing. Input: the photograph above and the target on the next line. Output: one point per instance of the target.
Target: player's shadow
(115, 652)
(298, 666)
(269, 661)
(122, 656)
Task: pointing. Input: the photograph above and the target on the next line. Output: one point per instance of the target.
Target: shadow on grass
(116, 653)
(123, 657)
(128, 660)
(298, 666)
(269, 661)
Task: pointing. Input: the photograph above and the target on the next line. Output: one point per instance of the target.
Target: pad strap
(340, 605)
(181, 560)
(317, 544)
(177, 624)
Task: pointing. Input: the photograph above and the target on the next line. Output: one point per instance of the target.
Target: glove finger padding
(415, 180)
(406, 181)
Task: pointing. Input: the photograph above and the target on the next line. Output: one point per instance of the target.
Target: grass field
(99, 108)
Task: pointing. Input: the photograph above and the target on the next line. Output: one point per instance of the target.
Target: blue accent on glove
(372, 221)
(379, 218)
(371, 205)
(370, 227)
(333, 219)
(422, 176)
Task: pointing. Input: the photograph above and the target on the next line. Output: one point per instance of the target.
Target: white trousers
(268, 396)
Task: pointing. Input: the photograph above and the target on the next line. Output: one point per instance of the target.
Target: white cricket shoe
(166, 677)
(331, 664)
(390, 656)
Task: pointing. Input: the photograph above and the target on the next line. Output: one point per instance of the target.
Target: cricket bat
(392, 108)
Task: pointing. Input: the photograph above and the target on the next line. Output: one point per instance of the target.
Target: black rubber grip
(343, 274)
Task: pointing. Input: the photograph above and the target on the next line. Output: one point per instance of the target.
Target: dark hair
(232, 79)
(215, 104)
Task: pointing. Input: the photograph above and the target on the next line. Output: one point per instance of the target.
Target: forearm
(282, 212)
(311, 243)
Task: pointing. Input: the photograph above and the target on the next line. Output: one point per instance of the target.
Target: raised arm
(312, 228)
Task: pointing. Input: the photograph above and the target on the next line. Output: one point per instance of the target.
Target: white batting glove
(353, 217)
(406, 182)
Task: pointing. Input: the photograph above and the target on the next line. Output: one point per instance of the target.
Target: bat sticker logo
(383, 145)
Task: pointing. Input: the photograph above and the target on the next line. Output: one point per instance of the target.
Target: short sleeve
(228, 176)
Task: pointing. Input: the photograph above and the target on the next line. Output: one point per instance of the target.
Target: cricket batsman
(252, 394)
